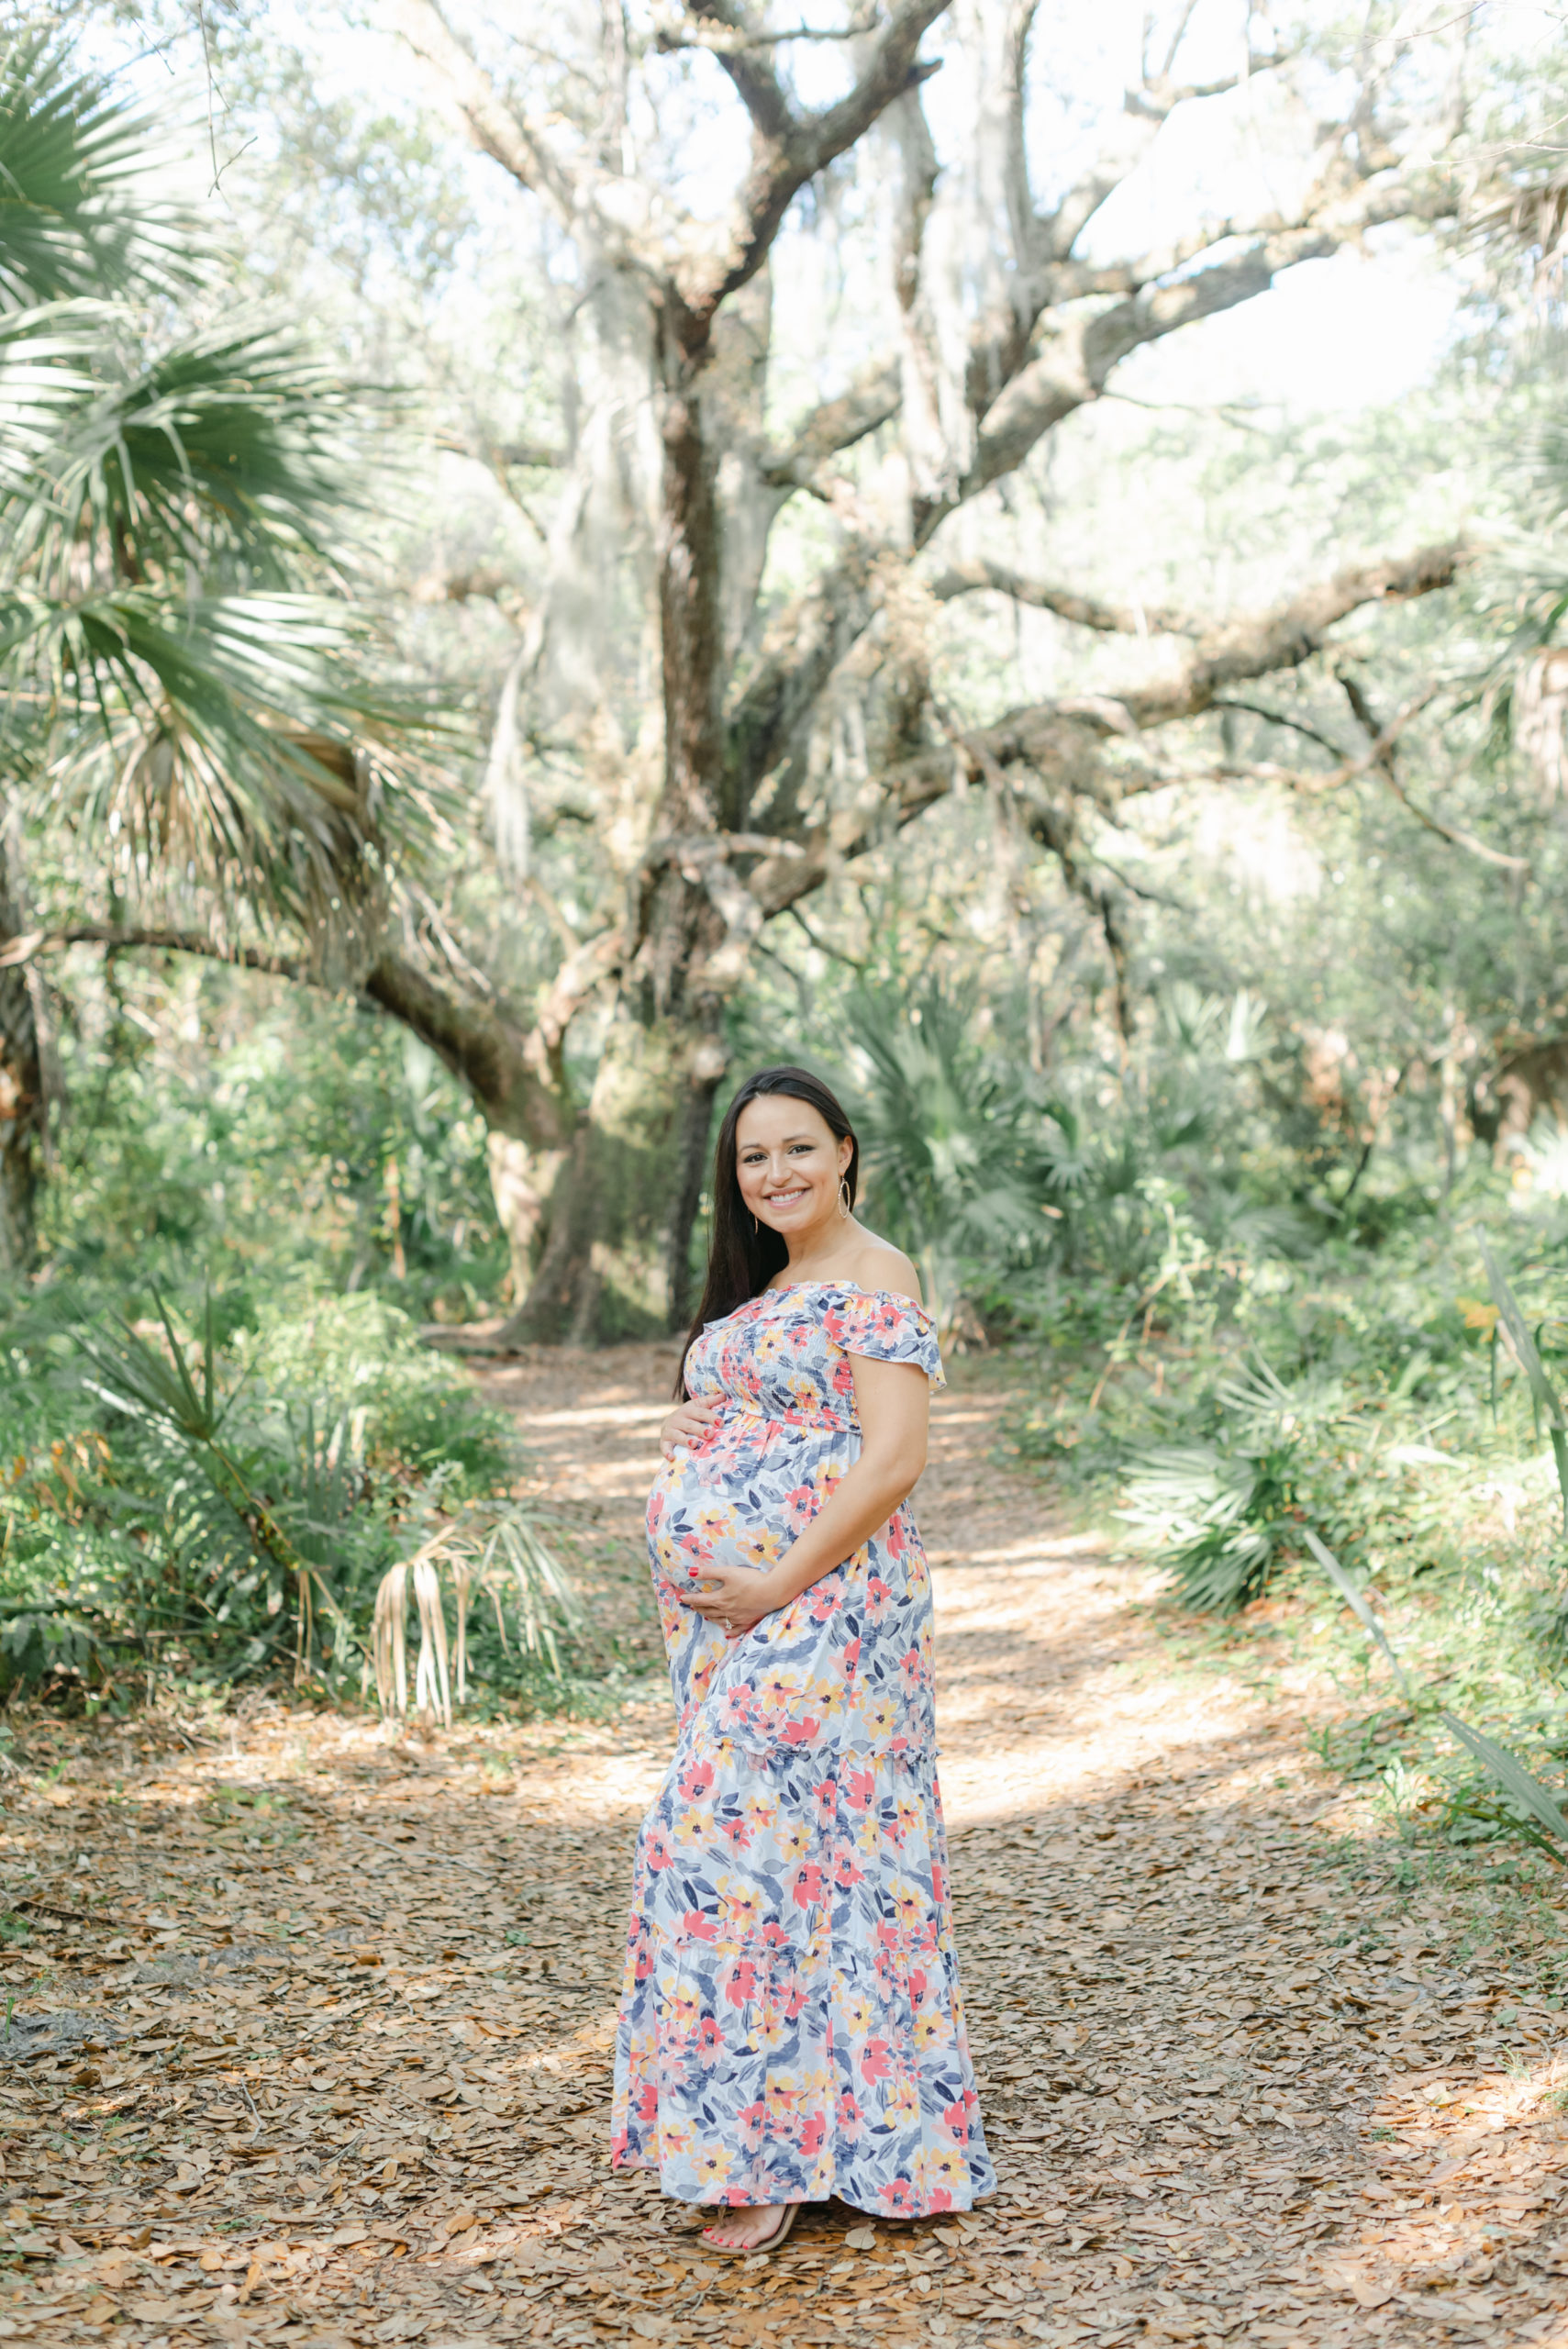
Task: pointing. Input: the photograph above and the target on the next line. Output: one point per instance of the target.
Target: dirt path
(320, 2053)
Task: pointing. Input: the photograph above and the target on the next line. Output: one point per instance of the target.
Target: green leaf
(1511, 1775)
(1354, 1600)
(1543, 1395)
(85, 204)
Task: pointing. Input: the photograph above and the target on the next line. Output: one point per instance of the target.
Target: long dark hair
(742, 1261)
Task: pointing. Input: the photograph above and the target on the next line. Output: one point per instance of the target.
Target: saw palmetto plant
(268, 1507)
(180, 659)
(495, 1553)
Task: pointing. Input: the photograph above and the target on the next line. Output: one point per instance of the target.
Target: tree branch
(788, 150)
(838, 423)
(1380, 762)
(1061, 739)
(1261, 645)
(1118, 619)
(1074, 355)
(570, 184)
(504, 1066)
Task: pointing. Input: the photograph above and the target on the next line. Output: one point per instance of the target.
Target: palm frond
(484, 1549)
(86, 208)
(46, 356)
(225, 458)
(1521, 1785)
(1355, 1601)
(223, 731)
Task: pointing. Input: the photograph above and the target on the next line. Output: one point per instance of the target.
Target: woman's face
(789, 1163)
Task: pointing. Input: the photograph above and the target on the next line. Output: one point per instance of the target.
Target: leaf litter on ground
(310, 2038)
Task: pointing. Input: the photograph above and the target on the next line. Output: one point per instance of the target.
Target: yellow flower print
(683, 2007)
(931, 2029)
(901, 2106)
(879, 1713)
(856, 2012)
(794, 1839)
(740, 1903)
(940, 2168)
(908, 1900)
(711, 2163)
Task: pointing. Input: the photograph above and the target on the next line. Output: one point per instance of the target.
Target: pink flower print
(898, 2199)
(957, 2120)
(800, 1506)
(737, 1834)
(753, 2121)
(846, 1876)
(919, 1983)
(939, 1880)
(813, 2134)
(877, 1601)
(843, 1379)
(851, 1659)
(859, 1788)
(696, 1781)
(643, 1968)
(646, 2103)
(912, 1666)
(741, 1986)
(710, 2040)
(806, 1886)
(796, 2000)
(738, 1708)
(874, 2063)
(775, 1935)
(657, 1848)
(698, 1925)
(802, 1732)
(849, 2119)
(823, 1600)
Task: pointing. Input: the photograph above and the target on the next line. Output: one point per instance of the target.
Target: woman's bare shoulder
(878, 1264)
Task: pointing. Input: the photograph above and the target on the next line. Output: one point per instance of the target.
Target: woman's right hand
(688, 1423)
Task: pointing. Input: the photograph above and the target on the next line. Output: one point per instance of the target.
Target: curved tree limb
(1085, 611)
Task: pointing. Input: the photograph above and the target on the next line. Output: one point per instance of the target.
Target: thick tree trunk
(21, 1096)
(600, 1244)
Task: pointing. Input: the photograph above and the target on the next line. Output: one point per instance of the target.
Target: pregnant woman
(791, 2025)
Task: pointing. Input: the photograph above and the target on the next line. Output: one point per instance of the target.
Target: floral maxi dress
(791, 2024)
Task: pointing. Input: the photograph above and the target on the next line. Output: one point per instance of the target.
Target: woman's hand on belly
(736, 1598)
(687, 1424)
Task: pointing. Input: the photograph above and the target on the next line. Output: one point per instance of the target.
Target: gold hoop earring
(846, 1205)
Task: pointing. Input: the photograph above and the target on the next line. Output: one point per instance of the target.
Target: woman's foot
(744, 2229)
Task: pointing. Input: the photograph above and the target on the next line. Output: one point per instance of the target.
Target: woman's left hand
(734, 1599)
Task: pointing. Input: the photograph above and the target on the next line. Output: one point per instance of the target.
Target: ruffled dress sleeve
(885, 1328)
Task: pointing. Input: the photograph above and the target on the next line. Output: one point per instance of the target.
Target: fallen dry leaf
(293, 2076)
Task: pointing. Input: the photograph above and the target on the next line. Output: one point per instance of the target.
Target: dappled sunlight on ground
(322, 2056)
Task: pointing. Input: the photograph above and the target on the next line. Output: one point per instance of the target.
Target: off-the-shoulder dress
(791, 2024)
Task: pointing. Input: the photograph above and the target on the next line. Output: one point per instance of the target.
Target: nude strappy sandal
(769, 2243)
